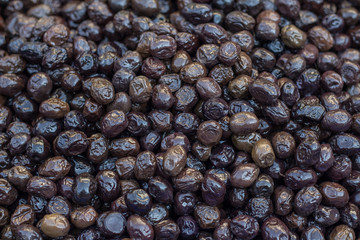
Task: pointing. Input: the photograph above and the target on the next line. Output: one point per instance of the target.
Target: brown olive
(23, 214)
(209, 132)
(244, 175)
(54, 108)
(55, 168)
(174, 160)
(207, 217)
(54, 225)
(321, 38)
(187, 119)
(263, 153)
(243, 123)
(293, 37)
(83, 217)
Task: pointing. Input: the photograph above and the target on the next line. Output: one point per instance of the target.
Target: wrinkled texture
(183, 119)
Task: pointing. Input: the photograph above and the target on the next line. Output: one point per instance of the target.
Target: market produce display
(186, 119)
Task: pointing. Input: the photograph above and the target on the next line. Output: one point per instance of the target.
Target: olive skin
(187, 119)
(243, 123)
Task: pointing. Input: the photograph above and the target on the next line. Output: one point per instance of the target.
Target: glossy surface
(187, 119)
(54, 225)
